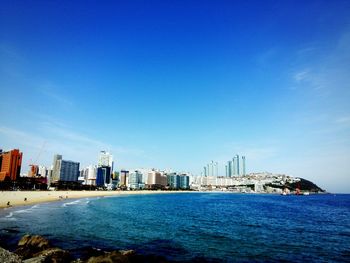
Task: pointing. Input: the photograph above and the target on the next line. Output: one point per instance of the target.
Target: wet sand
(20, 198)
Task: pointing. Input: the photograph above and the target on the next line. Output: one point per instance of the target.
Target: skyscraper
(105, 168)
(237, 165)
(105, 159)
(10, 165)
(234, 166)
(103, 176)
(243, 165)
(229, 169)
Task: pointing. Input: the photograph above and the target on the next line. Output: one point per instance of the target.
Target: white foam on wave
(28, 210)
(71, 203)
(9, 215)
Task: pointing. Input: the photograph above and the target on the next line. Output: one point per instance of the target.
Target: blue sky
(176, 84)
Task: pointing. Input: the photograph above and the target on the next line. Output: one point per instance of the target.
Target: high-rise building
(237, 165)
(173, 180)
(105, 168)
(178, 181)
(243, 165)
(124, 178)
(10, 165)
(156, 179)
(234, 167)
(103, 176)
(57, 158)
(135, 180)
(69, 171)
(63, 170)
(91, 175)
(229, 169)
(115, 178)
(105, 159)
(184, 181)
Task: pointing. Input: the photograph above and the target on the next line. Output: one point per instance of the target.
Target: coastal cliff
(302, 184)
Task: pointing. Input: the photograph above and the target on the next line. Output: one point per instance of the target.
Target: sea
(193, 227)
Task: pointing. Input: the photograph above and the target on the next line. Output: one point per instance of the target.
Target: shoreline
(23, 198)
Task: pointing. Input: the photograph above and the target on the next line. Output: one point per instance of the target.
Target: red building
(10, 165)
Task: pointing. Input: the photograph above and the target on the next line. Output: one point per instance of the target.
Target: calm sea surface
(194, 226)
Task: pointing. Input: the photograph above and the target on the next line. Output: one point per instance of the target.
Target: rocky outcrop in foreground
(6, 256)
(37, 249)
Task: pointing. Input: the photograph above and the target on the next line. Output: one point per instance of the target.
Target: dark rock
(37, 249)
(35, 241)
(111, 257)
(84, 253)
(8, 257)
(127, 253)
(51, 255)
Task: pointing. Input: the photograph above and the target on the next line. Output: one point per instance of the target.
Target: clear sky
(176, 84)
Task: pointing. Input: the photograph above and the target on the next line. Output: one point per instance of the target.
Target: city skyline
(177, 84)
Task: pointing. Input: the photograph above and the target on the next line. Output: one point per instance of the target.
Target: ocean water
(194, 226)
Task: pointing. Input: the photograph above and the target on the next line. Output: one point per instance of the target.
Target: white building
(105, 159)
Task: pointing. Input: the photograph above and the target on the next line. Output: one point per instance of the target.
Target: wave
(71, 203)
(9, 215)
(28, 210)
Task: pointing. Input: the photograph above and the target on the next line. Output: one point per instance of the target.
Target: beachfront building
(156, 180)
(10, 165)
(184, 182)
(105, 169)
(173, 180)
(124, 179)
(103, 176)
(135, 181)
(178, 181)
(115, 178)
(69, 171)
(89, 175)
(63, 170)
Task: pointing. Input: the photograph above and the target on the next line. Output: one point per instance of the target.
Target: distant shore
(20, 198)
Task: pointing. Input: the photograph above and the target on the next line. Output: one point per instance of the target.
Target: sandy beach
(20, 198)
